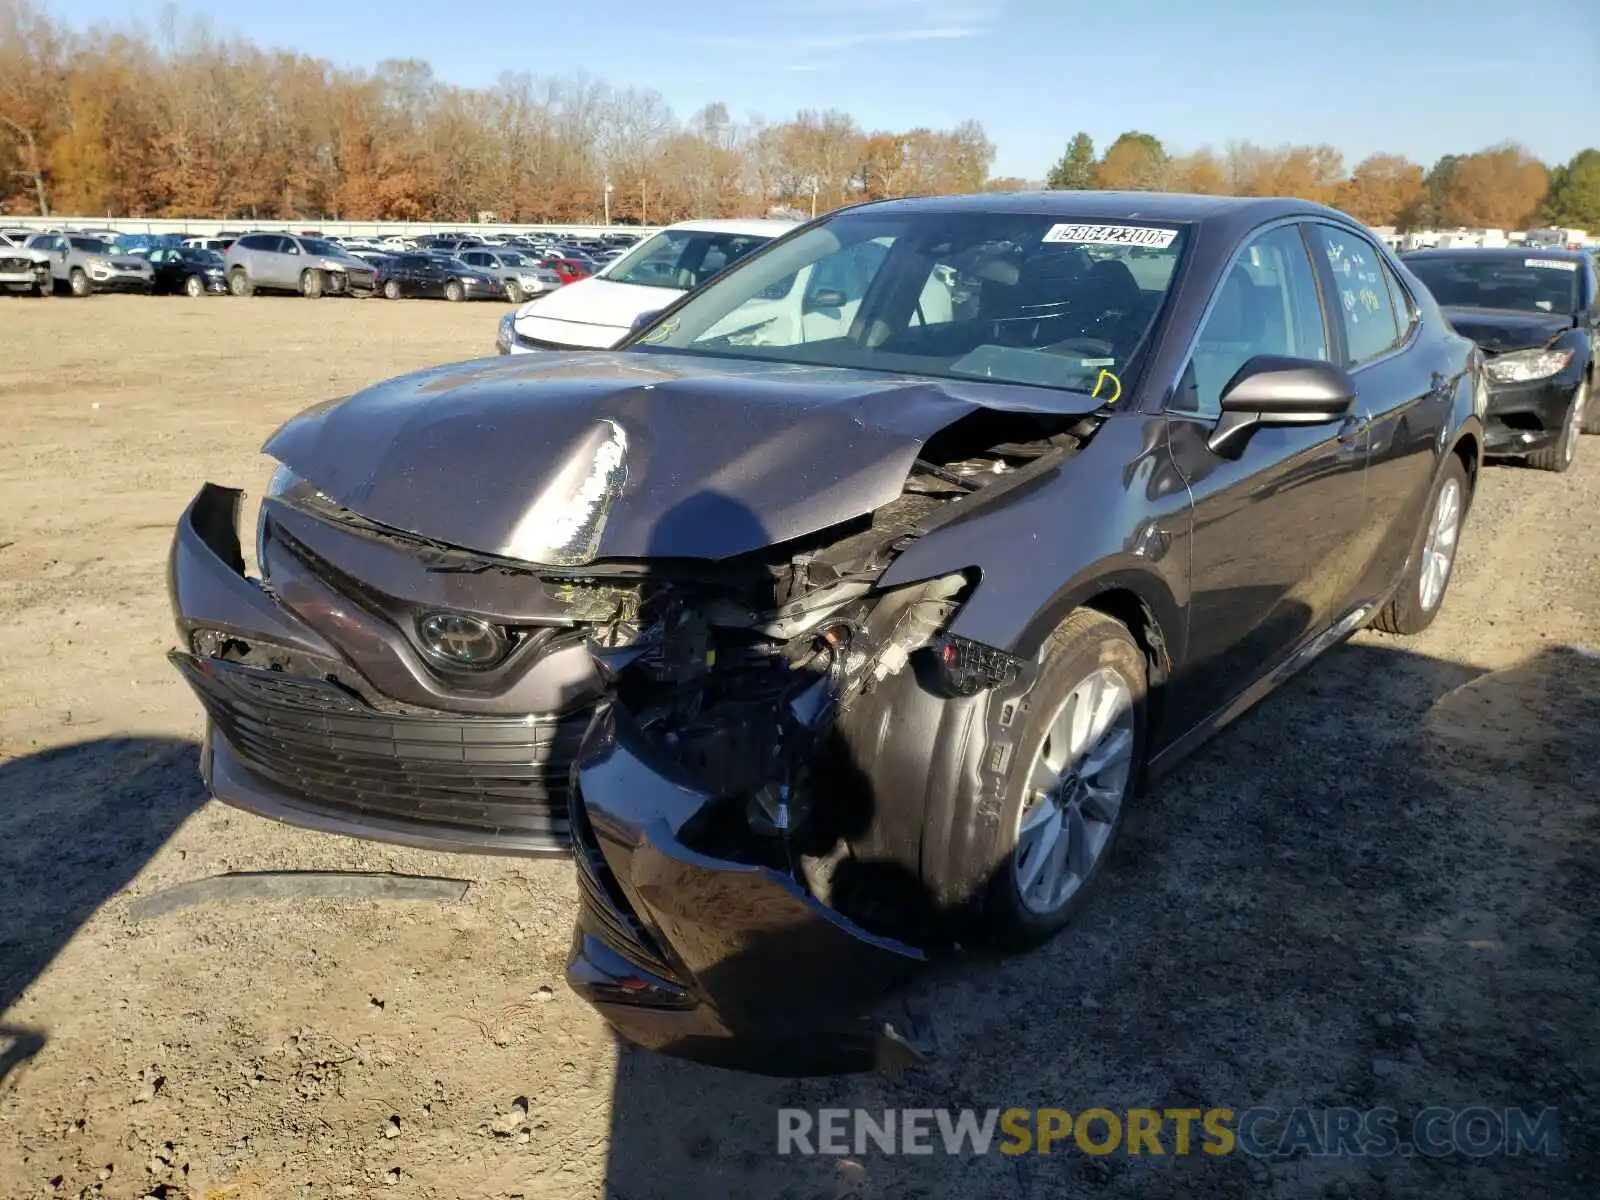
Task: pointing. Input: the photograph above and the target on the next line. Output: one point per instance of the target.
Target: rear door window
(1366, 308)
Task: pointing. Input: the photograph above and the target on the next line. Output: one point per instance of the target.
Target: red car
(569, 269)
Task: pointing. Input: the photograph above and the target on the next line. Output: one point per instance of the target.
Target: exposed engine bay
(735, 672)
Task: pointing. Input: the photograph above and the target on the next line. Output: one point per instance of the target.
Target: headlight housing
(95, 262)
(507, 334)
(1524, 366)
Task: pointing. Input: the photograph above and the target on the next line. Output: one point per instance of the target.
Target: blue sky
(1417, 77)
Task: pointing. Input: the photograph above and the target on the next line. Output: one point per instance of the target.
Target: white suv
(598, 312)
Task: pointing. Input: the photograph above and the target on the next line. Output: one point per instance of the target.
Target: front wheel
(79, 283)
(311, 285)
(391, 289)
(454, 292)
(1560, 457)
(239, 283)
(1076, 766)
(194, 286)
(44, 284)
(1591, 412)
(1433, 558)
(513, 291)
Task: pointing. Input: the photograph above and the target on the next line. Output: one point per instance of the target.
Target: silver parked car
(25, 270)
(85, 265)
(283, 262)
(521, 274)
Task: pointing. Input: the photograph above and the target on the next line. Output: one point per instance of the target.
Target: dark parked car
(438, 275)
(895, 558)
(1536, 315)
(187, 270)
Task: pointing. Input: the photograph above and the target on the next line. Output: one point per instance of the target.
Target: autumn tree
(1202, 173)
(1381, 189)
(1075, 170)
(1498, 188)
(1135, 162)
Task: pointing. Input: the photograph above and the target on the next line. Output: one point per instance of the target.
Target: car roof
(1239, 213)
(753, 226)
(1505, 252)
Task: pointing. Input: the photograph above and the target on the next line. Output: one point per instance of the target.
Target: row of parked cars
(451, 267)
(769, 616)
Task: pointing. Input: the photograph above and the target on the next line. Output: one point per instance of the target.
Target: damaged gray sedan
(840, 614)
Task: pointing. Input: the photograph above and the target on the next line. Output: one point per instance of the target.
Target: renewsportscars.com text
(1260, 1132)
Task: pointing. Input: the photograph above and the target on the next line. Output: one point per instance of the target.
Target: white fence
(207, 228)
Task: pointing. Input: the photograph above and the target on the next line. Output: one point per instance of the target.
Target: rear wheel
(1077, 762)
(194, 286)
(79, 283)
(391, 289)
(239, 283)
(453, 291)
(1433, 558)
(311, 284)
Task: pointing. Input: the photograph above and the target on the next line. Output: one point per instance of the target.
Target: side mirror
(1272, 390)
(644, 319)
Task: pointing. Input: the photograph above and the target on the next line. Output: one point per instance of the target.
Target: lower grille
(445, 771)
(603, 901)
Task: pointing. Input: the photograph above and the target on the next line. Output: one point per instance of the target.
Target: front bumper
(1523, 417)
(706, 959)
(120, 281)
(316, 745)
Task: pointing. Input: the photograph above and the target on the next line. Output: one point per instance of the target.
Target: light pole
(814, 188)
(608, 202)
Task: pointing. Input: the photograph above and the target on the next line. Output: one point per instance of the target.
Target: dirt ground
(1379, 888)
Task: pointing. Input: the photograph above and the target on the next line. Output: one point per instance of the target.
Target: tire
(42, 287)
(194, 286)
(454, 292)
(1088, 648)
(239, 283)
(78, 283)
(391, 289)
(311, 285)
(513, 292)
(1410, 610)
(1560, 457)
(1591, 412)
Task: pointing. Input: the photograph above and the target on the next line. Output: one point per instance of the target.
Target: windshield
(1012, 298)
(209, 257)
(90, 245)
(1518, 284)
(318, 246)
(682, 258)
(512, 260)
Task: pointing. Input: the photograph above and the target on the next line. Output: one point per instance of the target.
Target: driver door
(1277, 531)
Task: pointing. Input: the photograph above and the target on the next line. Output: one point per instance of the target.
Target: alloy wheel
(1439, 548)
(1077, 784)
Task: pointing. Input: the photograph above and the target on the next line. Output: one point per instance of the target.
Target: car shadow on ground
(1374, 890)
(77, 823)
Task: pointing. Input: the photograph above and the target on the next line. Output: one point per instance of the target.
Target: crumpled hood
(565, 458)
(1497, 330)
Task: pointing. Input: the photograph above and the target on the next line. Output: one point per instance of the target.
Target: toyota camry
(840, 614)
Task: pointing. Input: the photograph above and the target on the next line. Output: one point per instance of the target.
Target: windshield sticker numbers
(1112, 235)
(1550, 264)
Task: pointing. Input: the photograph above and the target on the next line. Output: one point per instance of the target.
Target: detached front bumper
(707, 959)
(1524, 417)
(300, 742)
